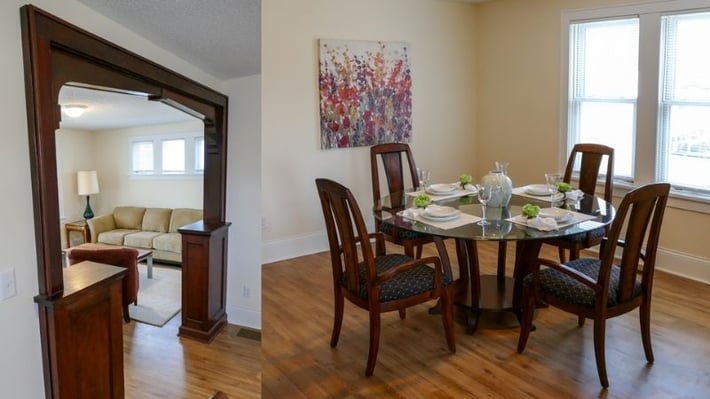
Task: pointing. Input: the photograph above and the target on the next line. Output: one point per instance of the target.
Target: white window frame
(648, 96)
(191, 171)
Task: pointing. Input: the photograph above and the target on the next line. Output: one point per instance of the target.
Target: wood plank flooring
(159, 364)
(413, 361)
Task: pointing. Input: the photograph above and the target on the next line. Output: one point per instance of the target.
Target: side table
(80, 226)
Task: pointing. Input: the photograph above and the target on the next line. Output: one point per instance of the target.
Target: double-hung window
(638, 80)
(180, 154)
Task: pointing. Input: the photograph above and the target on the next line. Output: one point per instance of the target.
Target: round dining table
(478, 293)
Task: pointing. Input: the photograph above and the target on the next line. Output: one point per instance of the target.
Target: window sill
(678, 199)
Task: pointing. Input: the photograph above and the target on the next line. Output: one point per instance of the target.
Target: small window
(200, 154)
(142, 157)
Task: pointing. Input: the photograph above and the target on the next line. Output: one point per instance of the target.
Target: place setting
(439, 216)
(443, 191)
(548, 219)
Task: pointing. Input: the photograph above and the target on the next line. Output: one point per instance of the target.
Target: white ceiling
(221, 37)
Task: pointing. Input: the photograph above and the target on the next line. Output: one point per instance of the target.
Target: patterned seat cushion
(388, 228)
(566, 289)
(412, 282)
(593, 234)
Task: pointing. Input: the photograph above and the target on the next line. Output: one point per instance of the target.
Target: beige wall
(443, 69)
(518, 73)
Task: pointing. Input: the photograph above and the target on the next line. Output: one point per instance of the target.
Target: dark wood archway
(55, 53)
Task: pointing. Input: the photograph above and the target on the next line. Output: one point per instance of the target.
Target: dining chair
(395, 157)
(118, 256)
(590, 157)
(375, 280)
(606, 287)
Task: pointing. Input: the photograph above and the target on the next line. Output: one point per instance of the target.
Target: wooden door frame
(57, 52)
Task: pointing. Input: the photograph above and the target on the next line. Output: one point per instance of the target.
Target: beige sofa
(146, 228)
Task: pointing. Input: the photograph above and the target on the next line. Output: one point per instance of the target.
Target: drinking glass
(552, 179)
(485, 192)
(423, 175)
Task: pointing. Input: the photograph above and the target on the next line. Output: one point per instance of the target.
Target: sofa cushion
(171, 242)
(114, 237)
(156, 219)
(128, 217)
(141, 239)
(183, 216)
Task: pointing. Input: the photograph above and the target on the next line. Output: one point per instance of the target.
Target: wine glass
(485, 192)
(552, 180)
(423, 175)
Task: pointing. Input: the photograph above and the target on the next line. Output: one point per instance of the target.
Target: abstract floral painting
(365, 93)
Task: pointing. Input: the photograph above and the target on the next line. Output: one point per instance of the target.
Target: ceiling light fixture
(74, 110)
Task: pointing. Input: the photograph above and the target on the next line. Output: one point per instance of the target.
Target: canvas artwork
(365, 93)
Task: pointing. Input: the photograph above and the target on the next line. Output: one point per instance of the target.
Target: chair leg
(408, 249)
(374, 342)
(447, 316)
(561, 252)
(402, 313)
(126, 316)
(338, 317)
(574, 253)
(645, 318)
(420, 248)
(526, 321)
(599, 335)
(580, 321)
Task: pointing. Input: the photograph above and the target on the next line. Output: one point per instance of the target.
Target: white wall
(443, 115)
(117, 189)
(244, 201)
(75, 151)
(21, 374)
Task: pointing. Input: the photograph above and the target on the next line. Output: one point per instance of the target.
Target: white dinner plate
(537, 189)
(436, 212)
(560, 215)
(441, 189)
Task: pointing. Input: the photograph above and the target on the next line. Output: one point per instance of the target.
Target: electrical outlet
(246, 293)
(7, 284)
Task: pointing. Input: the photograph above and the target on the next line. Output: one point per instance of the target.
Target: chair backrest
(638, 218)
(393, 156)
(346, 233)
(591, 156)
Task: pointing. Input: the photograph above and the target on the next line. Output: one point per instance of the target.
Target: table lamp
(87, 184)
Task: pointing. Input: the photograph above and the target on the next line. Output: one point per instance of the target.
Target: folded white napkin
(542, 224)
(412, 213)
(574, 195)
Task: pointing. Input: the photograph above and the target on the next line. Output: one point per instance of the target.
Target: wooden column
(204, 280)
(85, 333)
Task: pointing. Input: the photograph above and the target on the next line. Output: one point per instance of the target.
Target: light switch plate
(7, 284)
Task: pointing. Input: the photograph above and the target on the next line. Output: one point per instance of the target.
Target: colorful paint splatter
(365, 93)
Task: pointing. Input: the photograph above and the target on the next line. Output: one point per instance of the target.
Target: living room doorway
(56, 53)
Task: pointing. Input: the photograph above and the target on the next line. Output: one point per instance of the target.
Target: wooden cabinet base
(85, 334)
(204, 280)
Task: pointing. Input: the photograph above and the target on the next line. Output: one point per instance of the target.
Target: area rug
(158, 298)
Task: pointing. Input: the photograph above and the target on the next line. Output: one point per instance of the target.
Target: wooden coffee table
(143, 254)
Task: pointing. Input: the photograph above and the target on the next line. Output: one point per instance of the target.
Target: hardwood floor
(413, 361)
(158, 364)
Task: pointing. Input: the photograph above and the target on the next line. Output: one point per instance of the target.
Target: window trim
(648, 95)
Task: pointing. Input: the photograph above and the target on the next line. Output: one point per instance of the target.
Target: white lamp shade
(87, 182)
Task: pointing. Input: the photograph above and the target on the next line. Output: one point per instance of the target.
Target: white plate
(441, 189)
(438, 211)
(560, 215)
(453, 216)
(537, 189)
